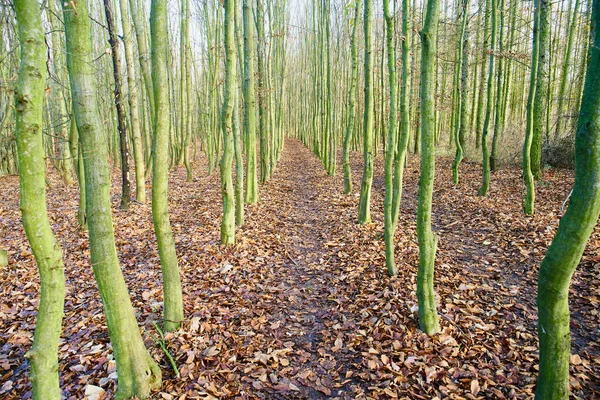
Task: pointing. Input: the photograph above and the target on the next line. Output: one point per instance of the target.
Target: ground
(301, 306)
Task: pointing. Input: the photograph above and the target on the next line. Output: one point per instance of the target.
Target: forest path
(298, 194)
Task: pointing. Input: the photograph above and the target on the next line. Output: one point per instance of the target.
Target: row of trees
(77, 103)
(507, 51)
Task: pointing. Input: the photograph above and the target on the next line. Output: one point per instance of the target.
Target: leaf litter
(301, 306)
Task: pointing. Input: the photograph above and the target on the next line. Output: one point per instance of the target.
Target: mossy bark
(351, 109)
(173, 303)
(428, 318)
(227, 191)
(391, 149)
(528, 177)
(364, 207)
(133, 98)
(138, 372)
(571, 237)
(485, 160)
(32, 180)
(249, 105)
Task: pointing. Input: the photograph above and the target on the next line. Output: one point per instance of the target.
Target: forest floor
(301, 306)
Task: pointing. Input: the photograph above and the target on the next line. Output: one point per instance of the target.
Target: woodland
(299, 199)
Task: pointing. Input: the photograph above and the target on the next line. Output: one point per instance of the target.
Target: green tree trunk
(121, 118)
(404, 112)
(460, 93)
(571, 237)
(140, 24)
(32, 179)
(483, 190)
(364, 207)
(249, 105)
(351, 108)
(428, 318)
(263, 95)
(173, 303)
(391, 149)
(237, 129)
(227, 192)
(540, 104)
(138, 373)
(528, 177)
(564, 75)
(138, 148)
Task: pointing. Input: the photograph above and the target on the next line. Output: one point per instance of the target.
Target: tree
(228, 220)
(138, 373)
(460, 93)
(364, 207)
(571, 237)
(391, 149)
(528, 176)
(483, 190)
(351, 108)
(263, 95)
(249, 105)
(138, 150)
(564, 75)
(121, 118)
(173, 303)
(32, 180)
(428, 318)
(540, 104)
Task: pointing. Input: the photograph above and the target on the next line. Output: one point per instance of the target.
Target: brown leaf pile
(301, 306)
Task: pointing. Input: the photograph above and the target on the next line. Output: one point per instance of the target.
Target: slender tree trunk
(404, 112)
(391, 149)
(173, 303)
(428, 318)
(564, 75)
(483, 190)
(571, 237)
(351, 108)
(364, 207)
(528, 177)
(138, 373)
(249, 105)
(43, 355)
(460, 93)
(227, 192)
(121, 118)
(540, 104)
(138, 149)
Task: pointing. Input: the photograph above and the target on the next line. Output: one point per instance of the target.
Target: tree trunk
(249, 105)
(540, 104)
(364, 207)
(571, 237)
(483, 190)
(227, 192)
(351, 109)
(138, 373)
(391, 149)
(173, 303)
(121, 118)
(32, 179)
(428, 318)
